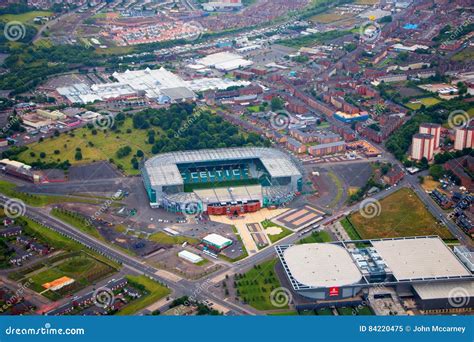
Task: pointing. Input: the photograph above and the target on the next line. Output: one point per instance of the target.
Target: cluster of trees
(184, 129)
(399, 142)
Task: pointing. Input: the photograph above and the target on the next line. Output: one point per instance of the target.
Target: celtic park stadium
(221, 181)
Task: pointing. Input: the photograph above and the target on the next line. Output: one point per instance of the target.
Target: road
(436, 211)
(198, 291)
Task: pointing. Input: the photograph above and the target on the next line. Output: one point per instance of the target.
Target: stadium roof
(163, 170)
(414, 258)
(224, 195)
(321, 265)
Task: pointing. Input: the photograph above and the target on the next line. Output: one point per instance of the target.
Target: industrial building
(159, 85)
(216, 242)
(191, 257)
(224, 61)
(425, 267)
(221, 181)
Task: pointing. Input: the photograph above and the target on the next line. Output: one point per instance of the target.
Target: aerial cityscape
(236, 158)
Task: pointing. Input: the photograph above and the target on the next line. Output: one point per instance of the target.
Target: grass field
(402, 214)
(155, 292)
(274, 238)
(105, 146)
(25, 17)
(166, 239)
(81, 267)
(317, 237)
(350, 229)
(58, 241)
(330, 17)
(255, 286)
(8, 189)
(76, 221)
(465, 55)
(426, 101)
(340, 189)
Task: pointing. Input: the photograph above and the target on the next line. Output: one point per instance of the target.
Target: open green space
(274, 238)
(340, 189)
(426, 101)
(82, 267)
(132, 138)
(317, 237)
(312, 39)
(255, 286)
(94, 145)
(58, 241)
(77, 221)
(9, 189)
(402, 214)
(25, 17)
(155, 292)
(166, 239)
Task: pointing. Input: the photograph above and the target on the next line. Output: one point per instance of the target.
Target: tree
(123, 152)
(78, 155)
(276, 104)
(436, 171)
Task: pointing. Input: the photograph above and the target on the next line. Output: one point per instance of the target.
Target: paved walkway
(249, 218)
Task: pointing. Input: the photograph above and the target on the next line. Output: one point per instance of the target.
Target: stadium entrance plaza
(241, 223)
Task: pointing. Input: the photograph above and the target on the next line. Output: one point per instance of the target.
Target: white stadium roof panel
(162, 169)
